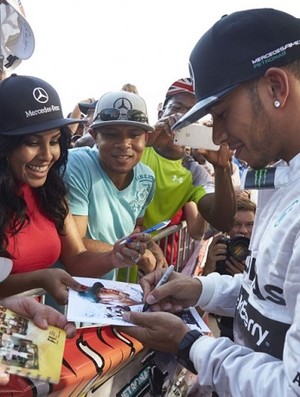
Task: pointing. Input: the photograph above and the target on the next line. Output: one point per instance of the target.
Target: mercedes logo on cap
(122, 103)
(40, 95)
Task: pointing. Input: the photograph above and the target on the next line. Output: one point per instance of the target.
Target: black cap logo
(40, 95)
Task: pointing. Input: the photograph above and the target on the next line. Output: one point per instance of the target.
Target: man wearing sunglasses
(109, 188)
(176, 187)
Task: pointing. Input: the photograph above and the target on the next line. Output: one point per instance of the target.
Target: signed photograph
(104, 302)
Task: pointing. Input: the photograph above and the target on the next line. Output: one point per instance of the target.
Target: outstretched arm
(196, 224)
(219, 208)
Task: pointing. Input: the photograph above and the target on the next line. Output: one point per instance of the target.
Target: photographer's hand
(216, 252)
(234, 266)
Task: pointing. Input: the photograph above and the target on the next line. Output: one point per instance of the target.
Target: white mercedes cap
(16, 36)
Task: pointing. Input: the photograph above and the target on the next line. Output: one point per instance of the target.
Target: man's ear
(93, 133)
(278, 83)
(147, 136)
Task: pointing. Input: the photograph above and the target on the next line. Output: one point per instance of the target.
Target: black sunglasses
(111, 114)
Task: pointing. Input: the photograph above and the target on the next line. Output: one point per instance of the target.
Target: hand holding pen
(181, 291)
(162, 281)
(140, 247)
(151, 229)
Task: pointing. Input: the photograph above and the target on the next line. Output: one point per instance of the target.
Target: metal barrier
(185, 245)
(177, 246)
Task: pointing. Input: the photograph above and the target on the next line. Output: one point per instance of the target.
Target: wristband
(183, 356)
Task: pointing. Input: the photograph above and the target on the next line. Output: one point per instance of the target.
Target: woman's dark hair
(51, 196)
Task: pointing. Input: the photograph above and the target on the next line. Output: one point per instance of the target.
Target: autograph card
(106, 300)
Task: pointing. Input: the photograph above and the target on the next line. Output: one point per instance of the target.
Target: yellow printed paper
(27, 350)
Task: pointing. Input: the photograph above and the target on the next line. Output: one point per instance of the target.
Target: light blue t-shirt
(112, 213)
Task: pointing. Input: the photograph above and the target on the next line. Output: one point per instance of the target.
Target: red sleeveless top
(37, 245)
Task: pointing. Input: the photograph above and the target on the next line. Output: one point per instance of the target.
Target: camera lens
(239, 247)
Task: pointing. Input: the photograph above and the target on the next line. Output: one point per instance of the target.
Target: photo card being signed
(106, 300)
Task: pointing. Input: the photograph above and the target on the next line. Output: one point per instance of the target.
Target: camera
(237, 248)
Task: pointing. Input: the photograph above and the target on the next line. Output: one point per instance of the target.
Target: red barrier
(90, 358)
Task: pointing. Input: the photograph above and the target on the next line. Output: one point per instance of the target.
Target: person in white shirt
(246, 71)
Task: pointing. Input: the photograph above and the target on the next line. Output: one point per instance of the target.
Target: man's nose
(244, 230)
(125, 141)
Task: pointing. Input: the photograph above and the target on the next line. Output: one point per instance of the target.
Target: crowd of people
(74, 188)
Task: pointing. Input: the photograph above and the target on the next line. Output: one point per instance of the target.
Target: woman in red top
(36, 228)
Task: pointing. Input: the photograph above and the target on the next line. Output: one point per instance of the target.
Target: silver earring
(277, 104)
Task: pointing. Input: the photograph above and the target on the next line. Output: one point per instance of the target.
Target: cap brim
(144, 126)
(6, 265)
(200, 109)
(84, 107)
(41, 127)
(22, 46)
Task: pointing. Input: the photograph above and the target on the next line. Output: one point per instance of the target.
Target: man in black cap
(246, 72)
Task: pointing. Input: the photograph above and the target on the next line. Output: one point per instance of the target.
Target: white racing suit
(264, 361)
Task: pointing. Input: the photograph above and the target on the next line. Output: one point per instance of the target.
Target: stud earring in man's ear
(277, 104)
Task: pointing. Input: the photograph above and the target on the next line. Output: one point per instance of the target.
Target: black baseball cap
(238, 48)
(29, 105)
(85, 107)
